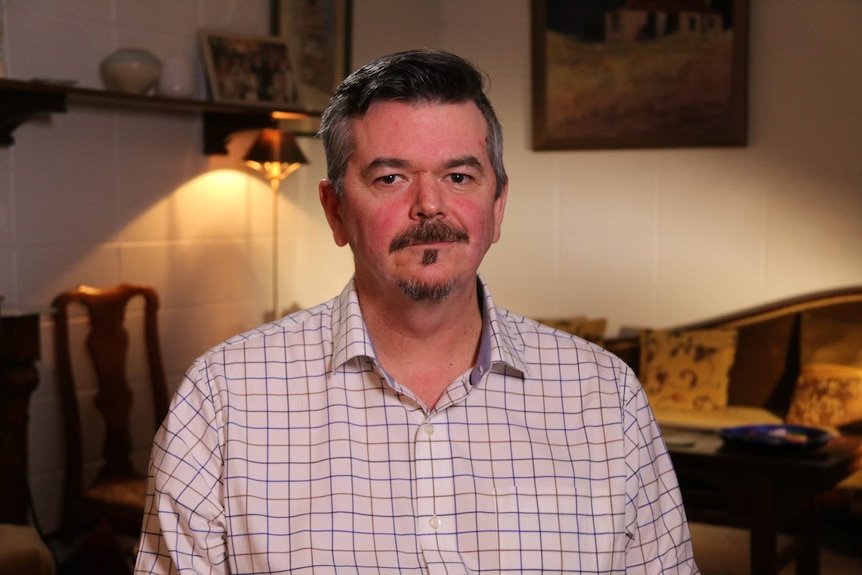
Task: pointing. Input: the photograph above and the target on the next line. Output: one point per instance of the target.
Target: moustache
(427, 233)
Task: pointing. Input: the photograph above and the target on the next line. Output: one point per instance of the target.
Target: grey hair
(414, 76)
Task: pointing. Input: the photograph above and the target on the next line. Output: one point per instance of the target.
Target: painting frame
(249, 70)
(318, 33)
(591, 112)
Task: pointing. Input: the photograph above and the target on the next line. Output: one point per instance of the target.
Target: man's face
(419, 208)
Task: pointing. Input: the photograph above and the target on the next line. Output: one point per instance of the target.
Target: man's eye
(459, 178)
(389, 179)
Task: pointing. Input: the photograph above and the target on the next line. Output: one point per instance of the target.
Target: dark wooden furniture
(119, 491)
(755, 490)
(769, 491)
(19, 350)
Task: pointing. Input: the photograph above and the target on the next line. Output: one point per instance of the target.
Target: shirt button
(435, 522)
(428, 428)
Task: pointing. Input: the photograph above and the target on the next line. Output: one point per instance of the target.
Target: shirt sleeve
(184, 519)
(660, 540)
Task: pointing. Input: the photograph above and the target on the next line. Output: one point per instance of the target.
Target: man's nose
(428, 201)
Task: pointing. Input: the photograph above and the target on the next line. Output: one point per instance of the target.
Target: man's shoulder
(528, 327)
(305, 325)
(539, 336)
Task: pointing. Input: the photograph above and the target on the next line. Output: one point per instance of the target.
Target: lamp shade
(276, 153)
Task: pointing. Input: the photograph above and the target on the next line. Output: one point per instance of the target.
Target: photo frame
(606, 77)
(318, 35)
(249, 70)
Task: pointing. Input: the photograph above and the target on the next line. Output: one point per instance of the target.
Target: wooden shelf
(22, 100)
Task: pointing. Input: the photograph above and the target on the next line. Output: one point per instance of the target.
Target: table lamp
(276, 154)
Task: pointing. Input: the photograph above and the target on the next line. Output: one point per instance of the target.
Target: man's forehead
(394, 130)
(384, 112)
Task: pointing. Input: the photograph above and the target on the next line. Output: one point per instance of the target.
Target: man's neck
(425, 345)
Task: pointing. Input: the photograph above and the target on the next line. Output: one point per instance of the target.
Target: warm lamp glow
(277, 115)
(275, 153)
(274, 170)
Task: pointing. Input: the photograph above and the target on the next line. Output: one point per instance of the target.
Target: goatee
(419, 291)
(428, 232)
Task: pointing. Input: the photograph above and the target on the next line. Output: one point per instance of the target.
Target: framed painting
(318, 35)
(249, 70)
(635, 74)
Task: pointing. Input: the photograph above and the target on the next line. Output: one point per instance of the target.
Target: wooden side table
(767, 492)
(19, 350)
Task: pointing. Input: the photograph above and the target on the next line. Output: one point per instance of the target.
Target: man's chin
(427, 290)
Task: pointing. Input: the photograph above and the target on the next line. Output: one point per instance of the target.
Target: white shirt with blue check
(288, 449)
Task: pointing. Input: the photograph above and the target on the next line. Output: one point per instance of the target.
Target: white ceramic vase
(131, 70)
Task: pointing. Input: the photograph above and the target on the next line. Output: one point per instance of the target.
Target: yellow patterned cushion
(827, 394)
(687, 369)
(589, 329)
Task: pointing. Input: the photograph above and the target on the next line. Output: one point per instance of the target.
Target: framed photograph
(250, 70)
(628, 74)
(318, 34)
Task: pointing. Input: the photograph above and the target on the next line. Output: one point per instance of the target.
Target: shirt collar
(501, 341)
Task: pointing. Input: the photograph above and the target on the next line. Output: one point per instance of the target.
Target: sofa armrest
(627, 349)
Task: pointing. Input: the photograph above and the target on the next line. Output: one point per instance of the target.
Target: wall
(643, 237)
(98, 196)
(659, 237)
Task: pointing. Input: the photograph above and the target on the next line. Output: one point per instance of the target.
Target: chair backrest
(108, 347)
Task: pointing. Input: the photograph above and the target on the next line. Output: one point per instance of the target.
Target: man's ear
(499, 210)
(332, 209)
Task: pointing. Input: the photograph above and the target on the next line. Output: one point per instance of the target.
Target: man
(409, 425)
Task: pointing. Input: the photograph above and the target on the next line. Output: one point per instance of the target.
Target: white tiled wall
(99, 196)
(643, 237)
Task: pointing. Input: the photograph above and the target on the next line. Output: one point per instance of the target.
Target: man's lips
(430, 244)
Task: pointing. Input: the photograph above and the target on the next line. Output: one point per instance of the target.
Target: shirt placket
(435, 494)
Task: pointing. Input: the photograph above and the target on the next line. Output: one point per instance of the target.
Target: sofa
(798, 360)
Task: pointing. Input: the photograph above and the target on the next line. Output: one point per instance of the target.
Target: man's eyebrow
(464, 161)
(398, 163)
(379, 163)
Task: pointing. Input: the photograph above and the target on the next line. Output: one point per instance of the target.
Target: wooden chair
(118, 493)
